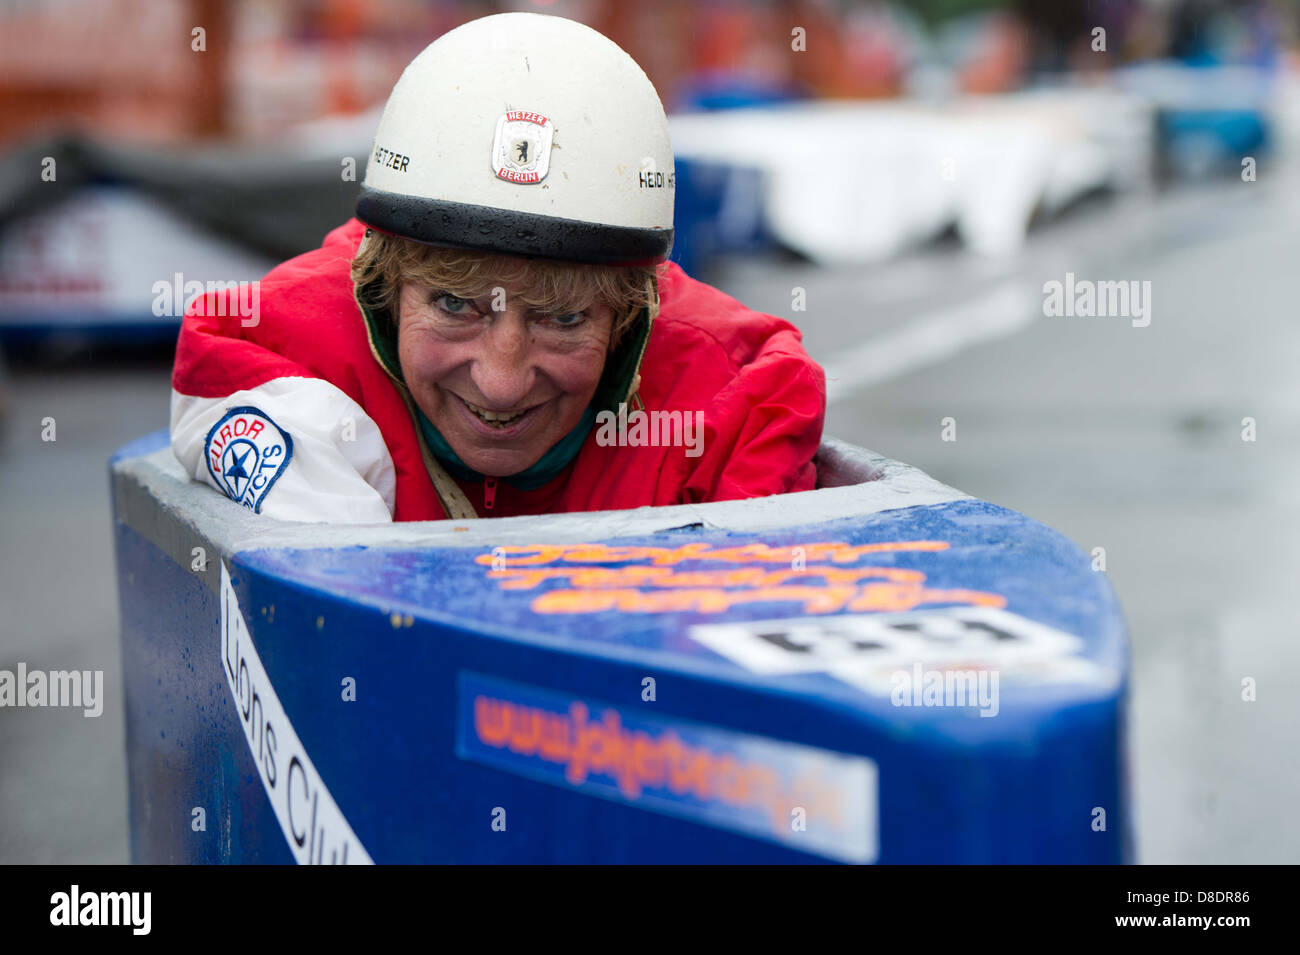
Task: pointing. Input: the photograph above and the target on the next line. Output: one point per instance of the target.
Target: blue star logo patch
(246, 453)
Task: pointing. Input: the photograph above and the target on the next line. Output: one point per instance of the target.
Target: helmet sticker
(389, 159)
(521, 148)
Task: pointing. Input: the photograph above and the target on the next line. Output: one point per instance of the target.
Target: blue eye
(568, 320)
(451, 304)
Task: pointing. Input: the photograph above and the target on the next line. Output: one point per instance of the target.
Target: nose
(503, 372)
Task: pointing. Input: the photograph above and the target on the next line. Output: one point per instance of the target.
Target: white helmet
(529, 135)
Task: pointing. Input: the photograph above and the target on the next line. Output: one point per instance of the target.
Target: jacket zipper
(489, 492)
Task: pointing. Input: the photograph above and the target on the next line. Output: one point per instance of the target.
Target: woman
(498, 331)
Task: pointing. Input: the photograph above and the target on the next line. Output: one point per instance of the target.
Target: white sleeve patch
(295, 449)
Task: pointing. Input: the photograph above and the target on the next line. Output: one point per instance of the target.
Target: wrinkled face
(501, 386)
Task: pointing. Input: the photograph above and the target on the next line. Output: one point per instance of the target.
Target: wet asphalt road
(1120, 437)
(1130, 438)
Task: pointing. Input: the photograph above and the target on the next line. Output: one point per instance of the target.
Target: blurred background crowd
(215, 129)
(899, 178)
(124, 68)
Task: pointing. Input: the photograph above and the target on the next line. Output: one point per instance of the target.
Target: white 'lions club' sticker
(521, 149)
(246, 453)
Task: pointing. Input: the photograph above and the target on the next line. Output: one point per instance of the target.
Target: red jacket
(285, 408)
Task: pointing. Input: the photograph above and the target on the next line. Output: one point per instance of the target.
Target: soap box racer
(434, 614)
(878, 670)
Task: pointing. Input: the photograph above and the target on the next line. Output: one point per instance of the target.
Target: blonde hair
(383, 262)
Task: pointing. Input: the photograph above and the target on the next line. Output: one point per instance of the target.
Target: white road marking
(1006, 308)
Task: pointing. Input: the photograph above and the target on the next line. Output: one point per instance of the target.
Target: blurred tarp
(274, 203)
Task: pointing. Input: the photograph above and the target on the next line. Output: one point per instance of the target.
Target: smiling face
(502, 387)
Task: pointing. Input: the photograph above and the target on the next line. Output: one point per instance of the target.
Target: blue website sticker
(802, 797)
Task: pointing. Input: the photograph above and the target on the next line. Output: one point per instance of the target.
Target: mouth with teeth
(493, 418)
